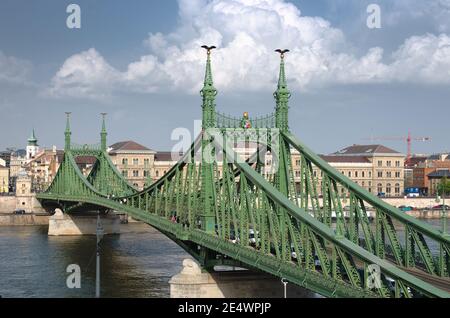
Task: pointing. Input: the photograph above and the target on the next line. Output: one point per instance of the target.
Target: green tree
(444, 186)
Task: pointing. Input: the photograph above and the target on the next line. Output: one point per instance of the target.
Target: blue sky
(139, 61)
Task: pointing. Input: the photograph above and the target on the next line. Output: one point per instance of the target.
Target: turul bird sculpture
(282, 52)
(209, 48)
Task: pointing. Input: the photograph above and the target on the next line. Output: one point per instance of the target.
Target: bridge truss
(224, 208)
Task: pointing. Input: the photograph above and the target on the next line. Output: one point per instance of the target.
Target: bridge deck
(439, 282)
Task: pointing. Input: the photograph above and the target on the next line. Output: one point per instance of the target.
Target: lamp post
(444, 214)
(444, 209)
(284, 282)
(99, 233)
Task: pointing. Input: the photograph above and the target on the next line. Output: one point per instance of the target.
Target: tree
(444, 187)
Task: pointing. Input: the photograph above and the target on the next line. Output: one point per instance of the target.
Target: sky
(140, 61)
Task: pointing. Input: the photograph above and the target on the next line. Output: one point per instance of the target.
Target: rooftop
(440, 174)
(129, 145)
(366, 151)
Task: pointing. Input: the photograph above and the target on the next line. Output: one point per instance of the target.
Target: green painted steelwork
(245, 213)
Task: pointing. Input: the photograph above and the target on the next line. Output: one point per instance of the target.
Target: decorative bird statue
(209, 48)
(282, 52)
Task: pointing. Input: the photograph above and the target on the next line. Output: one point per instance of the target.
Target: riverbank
(31, 219)
(36, 219)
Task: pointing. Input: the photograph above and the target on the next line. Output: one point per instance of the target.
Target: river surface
(137, 263)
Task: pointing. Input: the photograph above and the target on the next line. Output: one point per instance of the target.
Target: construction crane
(409, 139)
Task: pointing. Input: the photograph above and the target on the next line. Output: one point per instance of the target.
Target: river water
(137, 263)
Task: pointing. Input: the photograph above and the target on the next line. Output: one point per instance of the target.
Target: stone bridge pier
(61, 224)
(193, 282)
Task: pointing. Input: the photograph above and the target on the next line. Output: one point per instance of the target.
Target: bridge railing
(412, 250)
(227, 121)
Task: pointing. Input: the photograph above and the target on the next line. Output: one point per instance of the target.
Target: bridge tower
(208, 94)
(282, 95)
(283, 179)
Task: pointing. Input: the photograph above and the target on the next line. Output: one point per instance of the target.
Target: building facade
(422, 169)
(376, 168)
(24, 197)
(4, 177)
(435, 179)
(134, 161)
(42, 168)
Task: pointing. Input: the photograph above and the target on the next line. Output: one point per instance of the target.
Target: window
(297, 174)
(397, 164)
(388, 188)
(146, 162)
(380, 163)
(298, 162)
(370, 174)
(135, 173)
(146, 173)
(356, 174)
(388, 174)
(125, 173)
(157, 173)
(389, 163)
(136, 162)
(380, 174)
(398, 174)
(363, 174)
(397, 188)
(124, 161)
(349, 174)
(380, 188)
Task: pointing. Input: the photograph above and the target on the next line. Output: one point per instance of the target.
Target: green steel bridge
(221, 200)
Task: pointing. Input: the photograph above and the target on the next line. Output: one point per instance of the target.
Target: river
(137, 263)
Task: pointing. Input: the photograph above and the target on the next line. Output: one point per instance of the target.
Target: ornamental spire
(67, 133)
(103, 133)
(208, 93)
(282, 77)
(282, 96)
(208, 83)
(32, 141)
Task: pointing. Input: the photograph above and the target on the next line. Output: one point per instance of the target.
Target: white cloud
(247, 32)
(423, 59)
(14, 70)
(86, 74)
